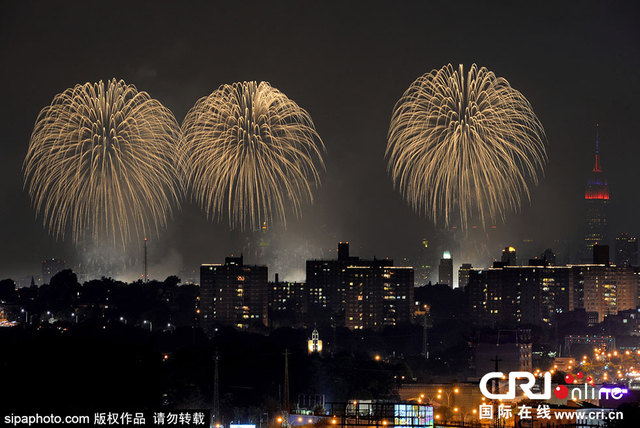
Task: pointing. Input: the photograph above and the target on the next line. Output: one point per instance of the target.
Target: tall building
(233, 294)
(509, 257)
(50, 267)
(596, 200)
(605, 290)
(423, 267)
(626, 250)
(369, 294)
(445, 269)
(326, 281)
(463, 274)
(536, 295)
(287, 296)
(378, 295)
(519, 295)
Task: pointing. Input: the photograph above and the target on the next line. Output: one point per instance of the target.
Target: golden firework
(101, 161)
(251, 151)
(464, 144)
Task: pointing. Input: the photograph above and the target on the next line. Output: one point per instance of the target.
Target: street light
(453, 391)
(150, 324)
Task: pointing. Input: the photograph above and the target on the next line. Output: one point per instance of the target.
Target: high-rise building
(233, 294)
(626, 250)
(423, 268)
(369, 294)
(378, 295)
(519, 295)
(596, 200)
(50, 267)
(605, 289)
(463, 275)
(445, 269)
(509, 257)
(285, 296)
(326, 281)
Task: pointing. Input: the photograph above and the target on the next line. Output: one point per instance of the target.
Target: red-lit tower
(596, 197)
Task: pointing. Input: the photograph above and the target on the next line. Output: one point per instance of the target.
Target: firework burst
(251, 152)
(101, 162)
(464, 145)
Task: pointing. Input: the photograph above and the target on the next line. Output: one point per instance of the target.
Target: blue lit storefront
(371, 413)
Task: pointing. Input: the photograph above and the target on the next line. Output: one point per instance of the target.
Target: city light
(275, 269)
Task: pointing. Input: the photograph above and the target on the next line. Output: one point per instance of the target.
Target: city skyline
(329, 214)
(349, 89)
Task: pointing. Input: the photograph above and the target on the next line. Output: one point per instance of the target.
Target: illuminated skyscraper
(509, 257)
(463, 274)
(445, 269)
(596, 199)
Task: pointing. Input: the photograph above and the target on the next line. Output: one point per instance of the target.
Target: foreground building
(233, 294)
(604, 290)
(536, 295)
(513, 295)
(368, 294)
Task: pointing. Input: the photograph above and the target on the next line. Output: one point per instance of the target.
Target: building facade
(463, 275)
(605, 290)
(233, 294)
(513, 295)
(445, 269)
(367, 294)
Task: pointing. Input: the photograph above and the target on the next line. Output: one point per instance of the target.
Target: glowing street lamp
(454, 391)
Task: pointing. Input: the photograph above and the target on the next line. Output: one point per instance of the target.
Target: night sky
(346, 63)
